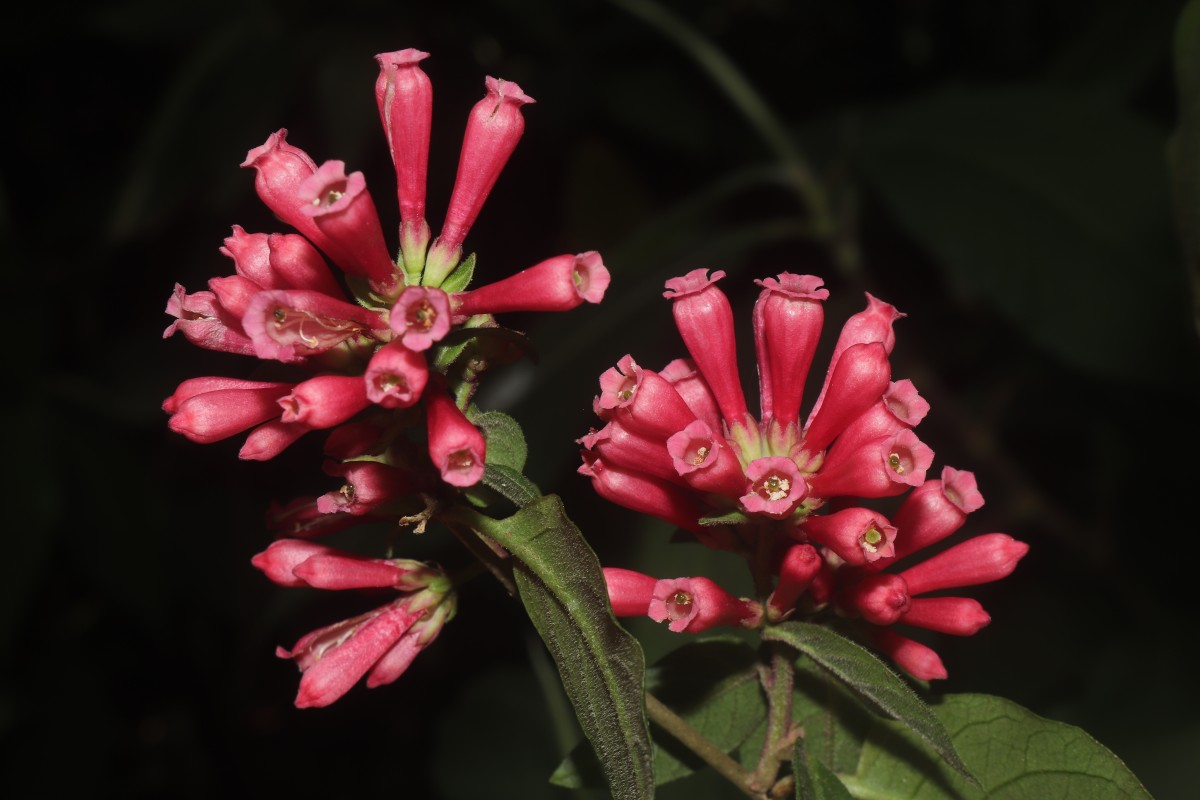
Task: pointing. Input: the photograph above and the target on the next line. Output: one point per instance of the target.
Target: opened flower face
(681, 445)
(383, 353)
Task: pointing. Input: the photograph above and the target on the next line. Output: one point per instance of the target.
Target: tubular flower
(774, 468)
(893, 596)
(379, 644)
(384, 353)
(681, 445)
(693, 605)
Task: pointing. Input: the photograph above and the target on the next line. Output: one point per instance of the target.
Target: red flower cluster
(681, 445)
(372, 356)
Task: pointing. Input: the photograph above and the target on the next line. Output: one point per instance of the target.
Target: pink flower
(420, 317)
(857, 535)
(893, 597)
(797, 569)
(776, 487)
(379, 644)
(787, 323)
(494, 127)
(682, 446)
(204, 322)
(363, 345)
(396, 376)
(705, 321)
(369, 485)
(290, 325)
(324, 401)
(557, 284)
(296, 563)
(775, 468)
(697, 604)
(344, 212)
(456, 447)
(405, 98)
(629, 592)
(279, 261)
(404, 94)
(207, 410)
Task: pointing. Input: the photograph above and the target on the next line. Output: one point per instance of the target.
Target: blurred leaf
(714, 686)
(1184, 150)
(505, 441)
(1048, 204)
(601, 665)
(870, 679)
(1015, 754)
(814, 781)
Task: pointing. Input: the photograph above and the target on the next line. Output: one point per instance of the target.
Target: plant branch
(695, 741)
(779, 685)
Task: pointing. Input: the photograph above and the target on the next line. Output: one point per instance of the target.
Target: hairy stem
(778, 685)
(695, 741)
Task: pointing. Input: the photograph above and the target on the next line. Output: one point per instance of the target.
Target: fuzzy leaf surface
(870, 679)
(1015, 754)
(505, 440)
(711, 684)
(601, 666)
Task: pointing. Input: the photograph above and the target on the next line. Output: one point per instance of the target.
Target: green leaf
(505, 440)
(460, 279)
(814, 780)
(870, 679)
(835, 721)
(1184, 150)
(1015, 754)
(510, 484)
(714, 686)
(601, 665)
(1047, 204)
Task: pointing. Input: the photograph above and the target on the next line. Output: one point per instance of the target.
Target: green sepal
(871, 680)
(731, 518)
(460, 278)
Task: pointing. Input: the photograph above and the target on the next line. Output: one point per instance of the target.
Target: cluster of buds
(380, 644)
(390, 348)
(681, 445)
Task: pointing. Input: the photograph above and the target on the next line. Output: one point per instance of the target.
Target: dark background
(1000, 165)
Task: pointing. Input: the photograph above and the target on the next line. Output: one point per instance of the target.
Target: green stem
(779, 690)
(466, 533)
(695, 741)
